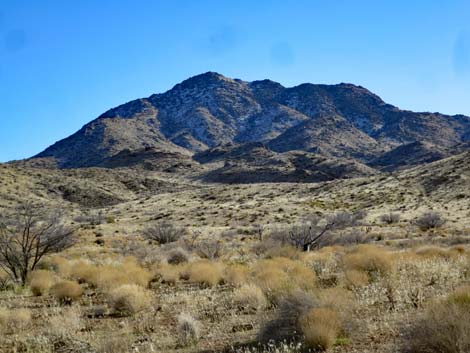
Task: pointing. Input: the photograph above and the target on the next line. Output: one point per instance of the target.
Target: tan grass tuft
(320, 327)
(130, 299)
(41, 281)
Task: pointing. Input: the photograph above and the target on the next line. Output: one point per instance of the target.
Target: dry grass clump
(129, 299)
(279, 276)
(189, 329)
(107, 277)
(61, 266)
(250, 297)
(445, 327)
(272, 281)
(320, 328)
(355, 279)
(438, 252)
(339, 299)
(373, 260)
(169, 274)
(15, 320)
(66, 291)
(205, 273)
(83, 272)
(461, 297)
(41, 281)
(236, 275)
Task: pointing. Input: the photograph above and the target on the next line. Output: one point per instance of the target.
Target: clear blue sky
(64, 62)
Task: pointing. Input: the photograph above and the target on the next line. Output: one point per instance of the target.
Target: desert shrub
(205, 273)
(250, 297)
(164, 232)
(443, 328)
(177, 256)
(189, 329)
(371, 259)
(210, 249)
(129, 299)
(14, 320)
(236, 275)
(40, 282)
(349, 237)
(66, 291)
(390, 218)
(320, 327)
(285, 325)
(430, 220)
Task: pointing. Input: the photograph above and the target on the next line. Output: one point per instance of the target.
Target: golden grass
(320, 327)
(169, 274)
(41, 281)
(236, 275)
(61, 266)
(205, 273)
(355, 278)
(438, 252)
(373, 260)
(106, 277)
(130, 299)
(280, 276)
(67, 291)
(250, 297)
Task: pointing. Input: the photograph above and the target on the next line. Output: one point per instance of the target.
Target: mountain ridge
(210, 110)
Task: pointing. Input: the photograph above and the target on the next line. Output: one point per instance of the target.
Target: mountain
(204, 112)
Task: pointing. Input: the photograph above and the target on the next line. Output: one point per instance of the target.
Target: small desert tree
(26, 235)
(164, 232)
(430, 220)
(312, 229)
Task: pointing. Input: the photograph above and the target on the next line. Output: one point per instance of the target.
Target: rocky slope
(210, 110)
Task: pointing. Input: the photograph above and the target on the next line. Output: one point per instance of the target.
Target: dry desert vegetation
(126, 261)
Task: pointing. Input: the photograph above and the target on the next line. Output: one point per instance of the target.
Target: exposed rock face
(210, 110)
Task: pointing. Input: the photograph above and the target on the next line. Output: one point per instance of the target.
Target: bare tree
(164, 232)
(312, 229)
(27, 235)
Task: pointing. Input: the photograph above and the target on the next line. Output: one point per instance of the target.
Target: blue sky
(62, 63)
